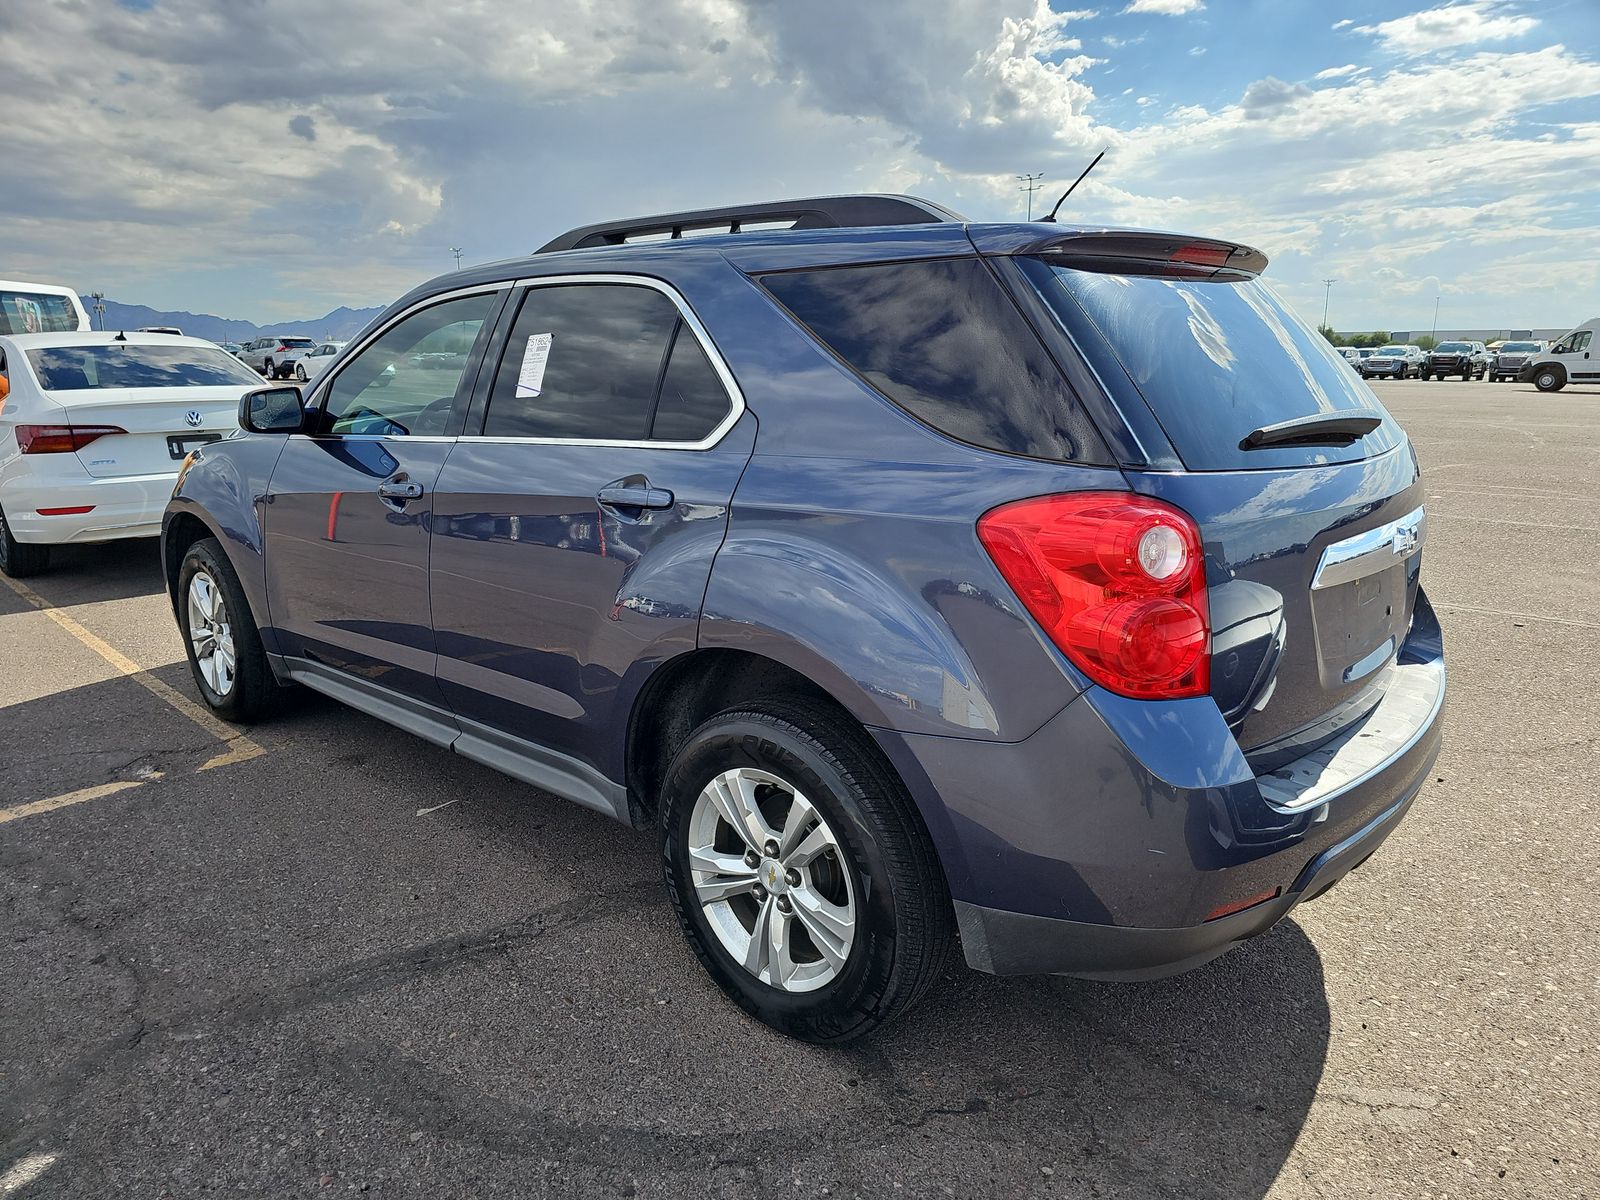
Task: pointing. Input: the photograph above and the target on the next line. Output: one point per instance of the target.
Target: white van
(40, 308)
(1574, 358)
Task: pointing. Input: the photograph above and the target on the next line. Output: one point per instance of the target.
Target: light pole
(1435, 334)
(456, 250)
(1030, 184)
(1327, 294)
(100, 308)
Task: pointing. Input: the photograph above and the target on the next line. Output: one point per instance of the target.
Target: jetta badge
(194, 418)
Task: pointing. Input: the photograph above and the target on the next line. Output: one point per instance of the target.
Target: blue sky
(273, 161)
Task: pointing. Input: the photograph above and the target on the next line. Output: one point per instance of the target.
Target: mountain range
(339, 325)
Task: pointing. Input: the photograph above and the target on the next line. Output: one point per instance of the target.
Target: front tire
(220, 637)
(801, 874)
(19, 560)
(1549, 379)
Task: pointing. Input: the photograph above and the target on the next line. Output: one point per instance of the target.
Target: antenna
(1052, 217)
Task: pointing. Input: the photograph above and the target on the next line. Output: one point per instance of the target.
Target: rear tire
(268, 370)
(18, 560)
(220, 637)
(300, 373)
(813, 975)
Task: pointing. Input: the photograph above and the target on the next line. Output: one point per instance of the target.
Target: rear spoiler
(1111, 245)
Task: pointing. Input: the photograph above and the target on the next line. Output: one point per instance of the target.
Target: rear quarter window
(943, 340)
(36, 312)
(1213, 358)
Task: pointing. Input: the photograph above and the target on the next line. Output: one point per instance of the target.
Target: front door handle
(399, 489)
(629, 495)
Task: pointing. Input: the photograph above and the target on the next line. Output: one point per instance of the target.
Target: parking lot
(322, 955)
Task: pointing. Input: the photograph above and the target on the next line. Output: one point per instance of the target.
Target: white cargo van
(1574, 358)
(40, 308)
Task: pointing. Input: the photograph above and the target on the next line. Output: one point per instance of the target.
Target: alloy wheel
(210, 633)
(772, 880)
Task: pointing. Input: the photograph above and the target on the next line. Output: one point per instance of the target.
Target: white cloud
(214, 159)
(1196, 51)
(1343, 24)
(1167, 8)
(1464, 24)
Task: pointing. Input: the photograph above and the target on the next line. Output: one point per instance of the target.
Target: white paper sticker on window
(531, 378)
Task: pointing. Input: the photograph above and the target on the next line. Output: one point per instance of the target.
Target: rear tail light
(1118, 583)
(60, 439)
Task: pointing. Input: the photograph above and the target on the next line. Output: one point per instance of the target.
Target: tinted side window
(405, 382)
(943, 341)
(693, 400)
(583, 361)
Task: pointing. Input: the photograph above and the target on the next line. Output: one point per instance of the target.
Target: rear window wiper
(1319, 429)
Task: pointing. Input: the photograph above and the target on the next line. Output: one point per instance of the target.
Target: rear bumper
(1102, 845)
(1009, 943)
(129, 507)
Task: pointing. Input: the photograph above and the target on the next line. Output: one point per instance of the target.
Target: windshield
(1393, 350)
(1519, 347)
(1213, 358)
(36, 312)
(84, 368)
(1452, 348)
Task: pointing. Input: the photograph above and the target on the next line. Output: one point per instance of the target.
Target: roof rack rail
(820, 212)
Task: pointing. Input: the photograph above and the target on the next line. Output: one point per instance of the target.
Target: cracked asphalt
(282, 975)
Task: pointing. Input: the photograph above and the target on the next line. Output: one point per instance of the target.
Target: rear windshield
(295, 341)
(1213, 358)
(85, 368)
(943, 340)
(36, 312)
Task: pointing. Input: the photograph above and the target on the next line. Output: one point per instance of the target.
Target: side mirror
(272, 410)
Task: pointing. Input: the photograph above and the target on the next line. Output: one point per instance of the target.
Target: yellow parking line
(240, 748)
(62, 801)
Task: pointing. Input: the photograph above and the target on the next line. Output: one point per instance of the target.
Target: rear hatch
(1305, 491)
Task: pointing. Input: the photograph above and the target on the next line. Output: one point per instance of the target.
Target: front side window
(1578, 341)
(604, 362)
(125, 365)
(404, 383)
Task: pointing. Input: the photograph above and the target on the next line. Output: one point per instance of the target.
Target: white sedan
(94, 429)
(314, 362)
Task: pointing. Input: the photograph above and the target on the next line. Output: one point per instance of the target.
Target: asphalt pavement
(320, 956)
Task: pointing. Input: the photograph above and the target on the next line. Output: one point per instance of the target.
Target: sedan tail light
(61, 439)
(1118, 583)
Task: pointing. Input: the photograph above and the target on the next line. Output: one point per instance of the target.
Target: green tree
(1333, 338)
(1425, 342)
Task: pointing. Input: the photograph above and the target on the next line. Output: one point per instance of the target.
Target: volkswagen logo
(193, 418)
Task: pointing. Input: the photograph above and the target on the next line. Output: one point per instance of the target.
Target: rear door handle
(628, 495)
(397, 489)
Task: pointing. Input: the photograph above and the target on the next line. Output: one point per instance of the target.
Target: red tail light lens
(60, 439)
(1117, 581)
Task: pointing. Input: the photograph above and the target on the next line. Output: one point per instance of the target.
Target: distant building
(1470, 335)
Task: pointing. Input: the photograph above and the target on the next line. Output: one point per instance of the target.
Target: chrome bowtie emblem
(193, 418)
(1406, 539)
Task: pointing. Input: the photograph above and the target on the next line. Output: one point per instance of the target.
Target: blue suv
(1050, 590)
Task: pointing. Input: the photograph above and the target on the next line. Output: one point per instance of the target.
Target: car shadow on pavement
(91, 573)
(372, 962)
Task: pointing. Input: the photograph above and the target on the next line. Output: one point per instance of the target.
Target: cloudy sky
(270, 161)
